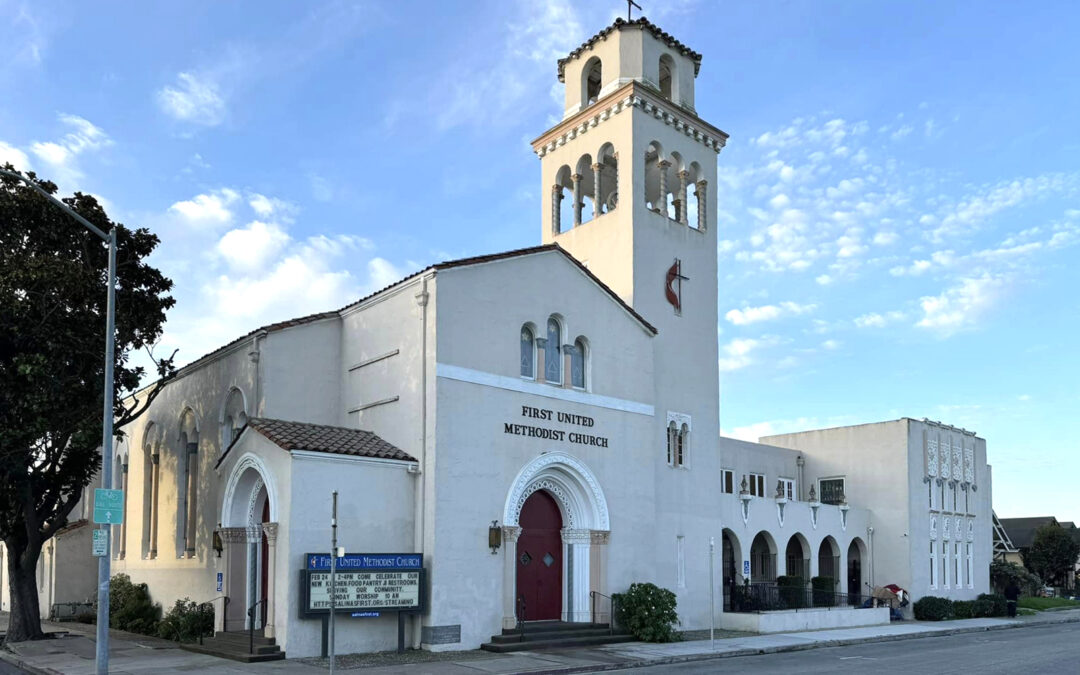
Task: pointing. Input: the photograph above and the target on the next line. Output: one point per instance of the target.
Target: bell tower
(626, 178)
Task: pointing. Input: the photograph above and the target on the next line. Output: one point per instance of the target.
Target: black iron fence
(771, 598)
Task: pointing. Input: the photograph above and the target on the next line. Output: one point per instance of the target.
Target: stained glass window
(527, 354)
(577, 364)
(552, 360)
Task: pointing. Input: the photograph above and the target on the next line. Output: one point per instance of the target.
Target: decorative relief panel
(969, 465)
(958, 462)
(971, 530)
(931, 458)
(946, 473)
(945, 529)
(959, 529)
(933, 527)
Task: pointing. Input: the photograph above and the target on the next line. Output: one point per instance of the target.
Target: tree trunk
(25, 620)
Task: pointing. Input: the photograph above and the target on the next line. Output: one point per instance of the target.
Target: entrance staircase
(235, 645)
(553, 634)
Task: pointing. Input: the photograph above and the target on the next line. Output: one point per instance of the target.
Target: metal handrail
(224, 611)
(519, 613)
(612, 601)
(251, 625)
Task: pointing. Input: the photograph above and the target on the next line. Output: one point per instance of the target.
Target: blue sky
(899, 208)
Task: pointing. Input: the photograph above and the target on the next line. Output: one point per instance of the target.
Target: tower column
(702, 204)
(661, 204)
(597, 205)
(680, 206)
(615, 193)
(556, 208)
(577, 199)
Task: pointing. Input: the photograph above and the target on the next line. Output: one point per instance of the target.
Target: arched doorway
(829, 560)
(249, 534)
(797, 558)
(855, 588)
(763, 559)
(539, 559)
(556, 494)
(732, 561)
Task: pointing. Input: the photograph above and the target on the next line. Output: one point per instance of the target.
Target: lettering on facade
(550, 434)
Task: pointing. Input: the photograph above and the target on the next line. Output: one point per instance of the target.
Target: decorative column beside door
(576, 605)
(232, 554)
(270, 529)
(509, 552)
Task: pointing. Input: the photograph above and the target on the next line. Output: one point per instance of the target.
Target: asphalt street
(1049, 649)
(8, 669)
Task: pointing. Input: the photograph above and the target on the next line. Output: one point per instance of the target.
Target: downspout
(419, 505)
(870, 554)
(801, 463)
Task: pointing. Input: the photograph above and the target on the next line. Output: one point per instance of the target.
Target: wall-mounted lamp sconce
(494, 537)
(219, 546)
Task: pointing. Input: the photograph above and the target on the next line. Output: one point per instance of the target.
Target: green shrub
(648, 612)
(130, 607)
(186, 621)
(1001, 573)
(989, 604)
(962, 609)
(933, 608)
(792, 591)
(824, 591)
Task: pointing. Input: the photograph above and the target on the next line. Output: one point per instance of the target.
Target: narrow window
(672, 435)
(593, 80)
(727, 481)
(552, 352)
(528, 353)
(933, 565)
(680, 561)
(945, 564)
(757, 484)
(667, 68)
(684, 440)
(577, 364)
(956, 564)
(970, 567)
(788, 485)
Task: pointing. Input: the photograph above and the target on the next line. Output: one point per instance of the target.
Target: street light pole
(104, 563)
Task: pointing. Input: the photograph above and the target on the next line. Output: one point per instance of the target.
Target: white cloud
(195, 98)
(14, 156)
(960, 306)
(249, 248)
(383, 273)
(266, 207)
(749, 315)
(973, 210)
(738, 353)
(830, 344)
(62, 154)
(885, 238)
(210, 209)
(876, 320)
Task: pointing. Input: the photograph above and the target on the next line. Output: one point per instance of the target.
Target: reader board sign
(364, 584)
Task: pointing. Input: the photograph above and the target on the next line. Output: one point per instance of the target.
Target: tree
(52, 342)
(1052, 554)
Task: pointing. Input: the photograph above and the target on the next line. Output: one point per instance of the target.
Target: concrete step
(237, 638)
(241, 655)
(546, 626)
(532, 645)
(515, 637)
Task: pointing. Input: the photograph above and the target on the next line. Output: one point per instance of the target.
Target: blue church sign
(352, 562)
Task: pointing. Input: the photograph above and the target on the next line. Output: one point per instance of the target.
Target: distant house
(1021, 533)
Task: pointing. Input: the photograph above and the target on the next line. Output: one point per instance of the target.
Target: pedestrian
(1012, 594)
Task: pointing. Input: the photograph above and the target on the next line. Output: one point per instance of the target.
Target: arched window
(187, 485)
(592, 79)
(528, 353)
(667, 75)
(562, 220)
(672, 440)
(683, 445)
(577, 364)
(657, 185)
(151, 488)
(233, 417)
(553, 352)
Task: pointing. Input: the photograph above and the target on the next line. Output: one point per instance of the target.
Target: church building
(573, 450)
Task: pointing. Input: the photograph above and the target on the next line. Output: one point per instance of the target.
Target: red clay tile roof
(324, 438)
(642, 23)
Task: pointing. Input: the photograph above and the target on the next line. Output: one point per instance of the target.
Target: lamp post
(102, 653)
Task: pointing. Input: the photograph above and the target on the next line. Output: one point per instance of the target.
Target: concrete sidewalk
(133, 654)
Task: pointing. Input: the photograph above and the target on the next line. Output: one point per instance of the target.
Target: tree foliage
(1052, 554)
(53, 275)
(1002, 573)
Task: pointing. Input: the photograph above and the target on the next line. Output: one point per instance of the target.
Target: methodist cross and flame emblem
(673, 285)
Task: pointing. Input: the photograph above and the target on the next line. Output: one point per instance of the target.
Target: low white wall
(789, 620)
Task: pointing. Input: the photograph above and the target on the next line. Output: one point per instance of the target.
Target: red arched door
(539, 558)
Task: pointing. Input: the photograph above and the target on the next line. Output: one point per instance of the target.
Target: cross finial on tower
(630, 4)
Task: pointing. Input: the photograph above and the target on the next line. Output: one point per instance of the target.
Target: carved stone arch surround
(570, 482)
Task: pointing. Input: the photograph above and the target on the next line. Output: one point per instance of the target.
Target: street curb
(14, 660)
(688, 658)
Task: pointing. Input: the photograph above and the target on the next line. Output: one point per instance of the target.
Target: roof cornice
(631, 95)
